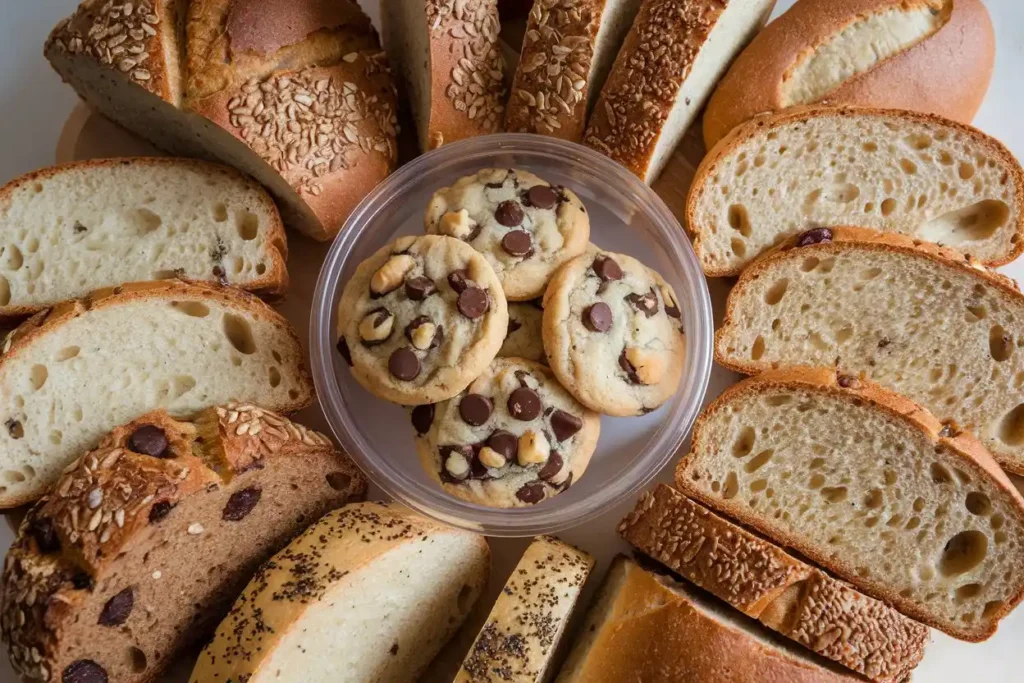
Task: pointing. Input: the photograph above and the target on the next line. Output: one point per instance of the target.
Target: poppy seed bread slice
(869, 485)
(71, 374)
(888, 308)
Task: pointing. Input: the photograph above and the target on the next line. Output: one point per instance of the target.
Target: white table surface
(34, 105)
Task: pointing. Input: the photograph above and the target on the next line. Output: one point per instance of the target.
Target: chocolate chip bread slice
(869, 485)
(71, 374)
(889, 308)
(369, 593)
(75, 228)
(765, 582)
(142, 544)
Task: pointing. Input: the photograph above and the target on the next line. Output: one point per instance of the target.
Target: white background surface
(34, 105)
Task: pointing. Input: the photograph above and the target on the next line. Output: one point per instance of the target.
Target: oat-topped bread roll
(371, 592)
(296, 93)
(520, 640)
(449, 58)
(78, 227)
(142, 544)
(71, 374)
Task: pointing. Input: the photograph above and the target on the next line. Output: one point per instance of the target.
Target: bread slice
(765, 582)
(78, 227)
(71, 374)
(520, 640)
(369, 593)
(893, 171)
(886, 307)
(869, 485)
(647, 627)
(144, 542)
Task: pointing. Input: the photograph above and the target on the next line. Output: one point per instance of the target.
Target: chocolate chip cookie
(525, 227)
(524, 332)
(613, 334)
(421, 318)
(513, 438)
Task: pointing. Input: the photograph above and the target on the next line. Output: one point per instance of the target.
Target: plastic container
(626, 217)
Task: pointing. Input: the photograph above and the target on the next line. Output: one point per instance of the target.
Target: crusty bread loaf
(767, 583)
(369, 593)
(899, 54)
(144, 542)
(71, 374)
(295, 93)
(520, 640)
(647, 627)
(449, 58)
(889, 308)
(869, 485)
(78, 227)
(893, 171)
(674, 54)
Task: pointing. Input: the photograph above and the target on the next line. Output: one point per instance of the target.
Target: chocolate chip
(149, 440)
(504, 443)
(419, 288)
(458, 280)
(815, 236)
(117, 609)
(84, 671)
(422, 320)
(473, 302)
(607, 269)
(541, 196)
(344, 351)
(517, 243)
(159, 511)
(423, 418)
(43, 531)
(240, 504)
(564, 424)
(848, 382)
(475, 409)
(404, 365)
(82, 581)
(552, 467)
(524, 404)
(671, 310)
(521, 375)
(531, 493)
(509, 213)
(79, 228)
(645, 303)
(628, 368)
(513, 325)
(339, 481)
(598, 318)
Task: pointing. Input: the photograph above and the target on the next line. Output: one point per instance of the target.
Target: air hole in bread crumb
(817, 481)
(963, 552)
(978, 504)
(913, 523)
(744, 444)
(67, 353)
(844, 335)
(261, 268)
(248, 226)
(220, 213)
(834, 494)
(940, 474)
(739, 219)
(38, 376)
(715, 487)
(239, 333)
(275, 377)
(137, 659)
(731, 486)
(758, 485)
(1011, 427)
(992, 608)
(966, 170)
(870, 273)
(56, 437)
(975, 313)
(778, 400)
(874, 499)
(5, 291)
(13, 477)
(809, 264)
(739, 248)
(978, 221)
(774, 294)
(142, 221)
(757, 351)
(908, 166)
(757, 462)
(888, 206)
(1000, 344)
(293, 394)
(869, 147)
(194, 309)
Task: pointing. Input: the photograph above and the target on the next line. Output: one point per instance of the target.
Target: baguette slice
(886, 307)
(78, 227)
(893, 171)
(71, 374)
(869, 485)
(369, 593)
(647, 627)
(520, 640)
(765, 582)
(138, 552)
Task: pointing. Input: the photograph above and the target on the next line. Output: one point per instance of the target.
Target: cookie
(524, 332)
(513, 438)
(612, 333)
(525, 227)
(421, 318)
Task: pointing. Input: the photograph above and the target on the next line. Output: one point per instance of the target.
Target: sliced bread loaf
(765, 582)
(869, 485)
(144, 542)
(75, 228)
(893, 171)
(369, 593)
(886, 307)
(71, 374)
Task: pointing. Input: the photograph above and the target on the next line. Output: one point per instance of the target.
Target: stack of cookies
(508, 332)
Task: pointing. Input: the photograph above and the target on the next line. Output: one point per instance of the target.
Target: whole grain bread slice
(869, 485)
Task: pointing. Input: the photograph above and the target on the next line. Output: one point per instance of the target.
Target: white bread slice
(71, 374)
(71, 229)
(369, 593)
(893, 171)
(869, 485)
(889, 308)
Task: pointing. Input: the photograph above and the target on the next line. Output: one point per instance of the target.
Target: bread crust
(917, 78)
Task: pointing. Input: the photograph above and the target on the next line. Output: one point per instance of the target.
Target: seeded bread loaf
(78, 227)
(932, 56)
(885, 307)
(674, 54)
(139, 549)
(869, 485)
(369, 593)
(297, 94)
(893, 171)
(449, 58)
(784, 593)
(71, 374)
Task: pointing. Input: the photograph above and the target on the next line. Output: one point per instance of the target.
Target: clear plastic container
(626, 217)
